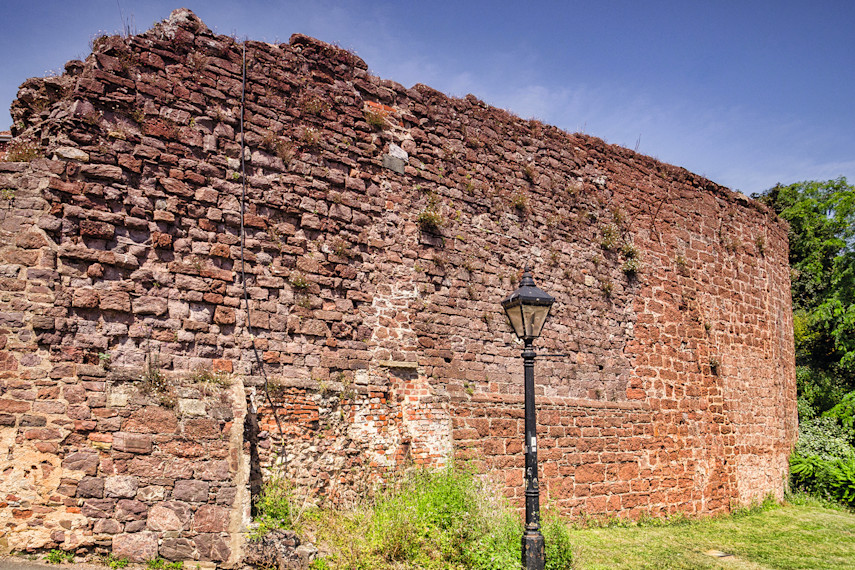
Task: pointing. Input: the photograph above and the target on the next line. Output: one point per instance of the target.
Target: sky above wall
(747, 93)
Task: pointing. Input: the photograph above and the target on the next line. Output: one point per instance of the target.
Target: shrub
(823, 437)
(444, 519)
(823, 461)
(559, 552)
(831, 479)
(844, 414)
(520, 202)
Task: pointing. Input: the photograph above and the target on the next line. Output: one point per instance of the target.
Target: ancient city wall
(145, 391)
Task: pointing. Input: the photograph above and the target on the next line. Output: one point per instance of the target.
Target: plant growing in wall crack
(430, 219)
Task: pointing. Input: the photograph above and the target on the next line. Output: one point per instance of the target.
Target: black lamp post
(527, 309)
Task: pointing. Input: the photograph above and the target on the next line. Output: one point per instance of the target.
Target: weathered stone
(82, 461)
(85, 298)
(96, 229)
(107, 526)
(214, 470)
(152, 493)
(191, 491)
(211, 518)
(115, 301)
(201, 428)
(32, 239)
(393, 163)
(91, 487)
(136, 547)
(104, 171)
(224, 316)
(151, 419)
(132, 442)
(98, 508)
(121, 486)
(178, 549)
(191, 407)
(74, 394)
(130, 510)
(149, 306)
(212, 547)
(71, 153)
(169, 515)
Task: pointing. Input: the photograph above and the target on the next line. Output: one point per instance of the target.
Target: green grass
(804, 533)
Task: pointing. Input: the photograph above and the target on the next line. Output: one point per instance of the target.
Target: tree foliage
(822, 261)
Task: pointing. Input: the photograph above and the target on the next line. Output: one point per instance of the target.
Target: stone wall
(145, 392)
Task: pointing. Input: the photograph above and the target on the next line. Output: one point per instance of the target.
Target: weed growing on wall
(57, 556)
(430, 219)
(274, 507)
(376, 119)
(23, 151)
(161, 564)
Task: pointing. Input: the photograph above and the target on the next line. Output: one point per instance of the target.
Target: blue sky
(747, 93)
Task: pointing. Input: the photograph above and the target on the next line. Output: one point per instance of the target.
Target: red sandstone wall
(383, 342)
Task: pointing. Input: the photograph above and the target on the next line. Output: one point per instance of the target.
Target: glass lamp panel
(515, 316)
(534, 317)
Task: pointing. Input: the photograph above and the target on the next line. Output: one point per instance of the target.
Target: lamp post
(527, 309)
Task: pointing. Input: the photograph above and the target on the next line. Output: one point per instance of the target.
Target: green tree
(822, 261)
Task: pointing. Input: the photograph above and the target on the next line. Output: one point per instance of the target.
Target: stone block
(214, 470)
(191, 407)
(136, 547)
(86, 462)
(91, 487)
(201, 428)
(121, 486)
(85, 298)
(97, 230)
(132, 442)
(151, 419)
(149, 306)
(212, 547)
(191, 491)
(178, 549)
(169, 515)
(107, 526)
(211, 518)
(98, 508)
(115, 301)
(151, 493)
(104, 171)
(14, 406)
(130, 510)
(74, 394)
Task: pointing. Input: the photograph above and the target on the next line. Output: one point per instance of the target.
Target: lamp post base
(533, 551)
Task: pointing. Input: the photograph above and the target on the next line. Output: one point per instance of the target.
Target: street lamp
(527, 309)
